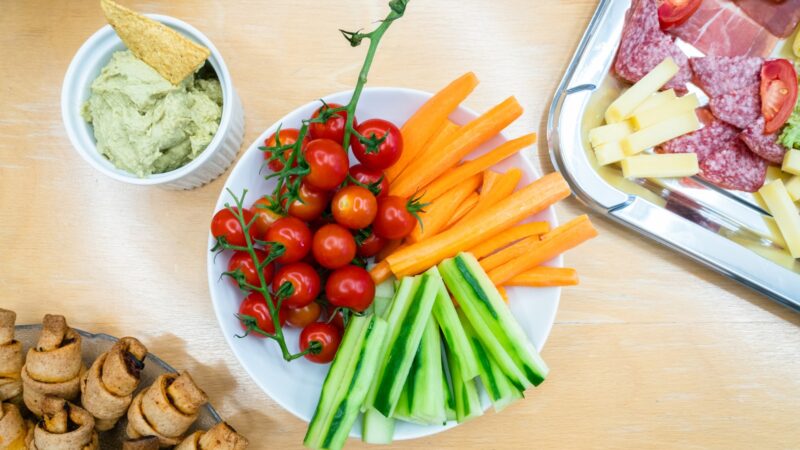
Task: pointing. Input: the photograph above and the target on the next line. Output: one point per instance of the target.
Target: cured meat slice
(710, 30)
(740, 108)
(703, 140)
(731, 165)
(779, 17)
(763, 145)
(718, 75)
(644, 46)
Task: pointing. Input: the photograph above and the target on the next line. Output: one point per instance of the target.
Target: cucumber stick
(445, 313)
(377, 429)
(501, 392)
(449, 401)
(465, 392)
(423, 395)
(347, 383)
(404, 341)
(492, 321)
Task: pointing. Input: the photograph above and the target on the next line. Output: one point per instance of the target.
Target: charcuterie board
(728, 230)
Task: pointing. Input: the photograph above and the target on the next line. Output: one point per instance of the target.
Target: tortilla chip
(168, 52)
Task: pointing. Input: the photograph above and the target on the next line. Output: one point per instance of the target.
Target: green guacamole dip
(145, 125)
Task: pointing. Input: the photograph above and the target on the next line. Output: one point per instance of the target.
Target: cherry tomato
(354, 207)
(327, 163)
(243, 262)
(287, 136)
(295, 236)
(224, 223)
(265, 216)
(350, 287)
(371, 245)
(300, 317)
(305, 281)
(387, 152)
(311, 203)
(328, 337)
(395, 218)
(333, 128)
(778, 93)
(333, 246)
(369, 177)
(255, 306)
(675, 12)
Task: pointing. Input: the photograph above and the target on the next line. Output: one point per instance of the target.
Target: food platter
(729, 231)
(296, 385)
(92, 346)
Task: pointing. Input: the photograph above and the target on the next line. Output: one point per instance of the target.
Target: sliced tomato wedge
(675, 12)
(778, 93)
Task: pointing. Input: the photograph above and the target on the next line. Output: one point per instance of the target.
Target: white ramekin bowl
(93, 55)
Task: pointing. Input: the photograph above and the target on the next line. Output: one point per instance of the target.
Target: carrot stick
(507, 254)
(466, 234)
(502, 188)
(508, 237)
(429, 118)
(380, 272)
(544, 276)
(439, 212)
(503, 293)
(489, 178)
(388, 249)
(439, 140)
(424, 170)
(463, 209)
(534, 253)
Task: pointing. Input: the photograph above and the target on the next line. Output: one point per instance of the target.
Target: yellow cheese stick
(671, 108)
(793, 187)
(660, 133)
(796, 45)
(660, 166)
(657, 99)
(775, 173)
(609, 153)
(780, 205)
(626, 103)
(612, 132)
(791, 162)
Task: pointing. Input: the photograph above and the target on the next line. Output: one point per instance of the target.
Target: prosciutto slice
(780, 18)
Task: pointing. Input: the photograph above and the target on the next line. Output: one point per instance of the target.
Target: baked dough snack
(10, 357)
(13, 428)
(107, 388)
(220, 437)
(142, 443)
(54, 367)
(64, 426)
(166, 409)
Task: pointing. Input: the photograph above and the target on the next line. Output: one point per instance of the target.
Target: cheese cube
(660, 133)
(780, 205)
(660, 166)
(775, 173)
(657, 99)
(626, 103)
(608, 153)
(793, 187)
(609, 133)
(671, 108)
(791, 162)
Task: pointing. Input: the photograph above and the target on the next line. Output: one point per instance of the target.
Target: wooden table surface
(651, 350)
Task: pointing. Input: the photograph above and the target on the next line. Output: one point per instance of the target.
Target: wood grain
(651, 350)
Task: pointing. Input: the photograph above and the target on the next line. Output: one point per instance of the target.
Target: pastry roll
(13, 428)
(220, 437)
(10, 357)
(166, 409)
(64, 426)
(107, 388)
(54, 367)
(143, 443)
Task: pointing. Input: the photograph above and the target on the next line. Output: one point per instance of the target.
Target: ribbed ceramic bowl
(93, 55)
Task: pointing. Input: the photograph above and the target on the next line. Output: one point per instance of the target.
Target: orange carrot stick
(507, 254)
(380, 272)
(439, 140)
(508, 237)
(463, 209)
(466, 234)
(503, 293)
(422, 171)
(544, 276)
(388, 249)
(534, 253)
(438, 213)
(500, 189)
(489, 178)
(429, 118)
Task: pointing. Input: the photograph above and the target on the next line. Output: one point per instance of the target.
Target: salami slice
(644, 46)
(731, 165)
(720, 75)
(763, 145)
(740, 108)
(704, 140)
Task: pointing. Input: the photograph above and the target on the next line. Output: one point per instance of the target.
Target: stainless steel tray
(726, 230)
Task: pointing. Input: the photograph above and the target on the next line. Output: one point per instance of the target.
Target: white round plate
(296, 385)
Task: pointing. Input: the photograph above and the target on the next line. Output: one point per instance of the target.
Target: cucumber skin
(425, 394)
(447, 318)
(465, 393)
